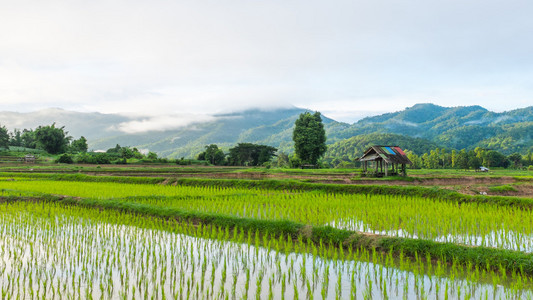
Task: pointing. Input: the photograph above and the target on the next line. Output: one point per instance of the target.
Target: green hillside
(424, 125)
(419, 128)
(268, 127)
(455, 128)
(354, 147)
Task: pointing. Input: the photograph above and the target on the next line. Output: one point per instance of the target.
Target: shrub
(183, 162)
(65, 159)
(93, 158)
(294, 162)
(122, 161)
(345, 165)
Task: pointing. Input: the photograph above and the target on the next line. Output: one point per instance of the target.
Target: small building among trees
(28, 158)
(382, 161)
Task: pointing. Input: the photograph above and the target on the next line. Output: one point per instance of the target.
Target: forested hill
(269, 127)
(354, 147)
(415, 128)
(454, 127)
(91, 125)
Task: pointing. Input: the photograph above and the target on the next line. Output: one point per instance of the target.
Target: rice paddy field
(64, 239)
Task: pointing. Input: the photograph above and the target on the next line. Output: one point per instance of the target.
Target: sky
(346, 59)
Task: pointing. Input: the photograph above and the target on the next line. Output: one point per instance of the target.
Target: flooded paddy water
(54, 251)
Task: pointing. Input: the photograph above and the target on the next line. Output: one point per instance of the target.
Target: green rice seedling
(403, 216)
(142, 252)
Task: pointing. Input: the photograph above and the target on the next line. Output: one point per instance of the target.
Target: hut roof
(390, 154)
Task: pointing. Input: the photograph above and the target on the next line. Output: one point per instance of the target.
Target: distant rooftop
(390, 154)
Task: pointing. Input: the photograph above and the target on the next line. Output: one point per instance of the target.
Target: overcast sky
(343, 58)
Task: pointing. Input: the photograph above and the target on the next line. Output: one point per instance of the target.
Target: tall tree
(213, 155)
(283, 160)
(28, 138)
(51, 139)
(474, 161)
(415, 159)
(434, 156)
(247, 154)
(16, 138)
(426, 161)
(79, 145)
(495, 159)
(115, 151)
(309, 138)
(516, 158)
(4, 137)
(454, 158)
(462, 159)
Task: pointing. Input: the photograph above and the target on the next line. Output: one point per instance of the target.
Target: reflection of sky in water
(496, 239)
(82, 257)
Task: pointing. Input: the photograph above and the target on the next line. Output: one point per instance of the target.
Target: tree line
(56, 141)
(442, 158)
(468, 159)
(116, 155)
(309, 139)
(52, 139)
(309, 148)
(244, 154)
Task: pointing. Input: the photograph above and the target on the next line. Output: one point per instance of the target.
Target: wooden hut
(384, 161)
(29, 158)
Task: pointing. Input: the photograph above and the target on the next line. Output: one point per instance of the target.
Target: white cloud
(166, 57)
(162, 123)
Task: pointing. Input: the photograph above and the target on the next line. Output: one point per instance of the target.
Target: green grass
(156, 168)
(388, 178)
(21, 151)
(502, 189)
(318, 174)
(457, 173)
(301, 171)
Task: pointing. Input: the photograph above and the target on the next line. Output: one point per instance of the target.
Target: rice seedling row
(474, 224)
(50, 250)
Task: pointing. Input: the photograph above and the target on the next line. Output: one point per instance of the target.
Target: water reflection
(74, 257)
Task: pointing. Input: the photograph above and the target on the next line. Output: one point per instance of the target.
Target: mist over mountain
(91, 125)
(270, 127)
(184, 136)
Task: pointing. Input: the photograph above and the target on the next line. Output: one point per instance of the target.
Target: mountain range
(420, 126)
